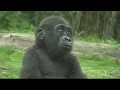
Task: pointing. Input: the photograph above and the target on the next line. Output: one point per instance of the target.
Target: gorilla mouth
(67, 46)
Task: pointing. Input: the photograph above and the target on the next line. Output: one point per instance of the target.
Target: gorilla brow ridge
(62, 25)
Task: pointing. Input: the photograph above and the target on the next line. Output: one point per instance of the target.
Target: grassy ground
(10, 62)
(96, 68)
(11, 59)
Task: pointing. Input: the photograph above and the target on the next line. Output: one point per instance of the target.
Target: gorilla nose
(66, 38)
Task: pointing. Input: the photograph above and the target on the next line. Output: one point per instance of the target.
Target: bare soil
(99, 50)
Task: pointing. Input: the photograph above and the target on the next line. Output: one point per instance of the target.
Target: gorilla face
(64, 35)
(55, 35)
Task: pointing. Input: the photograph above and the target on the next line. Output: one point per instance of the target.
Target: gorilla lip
(66, 46)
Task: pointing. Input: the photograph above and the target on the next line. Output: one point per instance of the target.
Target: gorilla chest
(55, 70)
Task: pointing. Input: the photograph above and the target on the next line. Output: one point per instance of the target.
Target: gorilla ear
(41, 33)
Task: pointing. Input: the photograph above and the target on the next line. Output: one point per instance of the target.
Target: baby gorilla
(50, 57)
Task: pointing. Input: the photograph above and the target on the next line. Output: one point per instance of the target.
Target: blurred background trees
(103, 24)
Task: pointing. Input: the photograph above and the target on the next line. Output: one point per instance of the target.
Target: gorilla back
(50, 57)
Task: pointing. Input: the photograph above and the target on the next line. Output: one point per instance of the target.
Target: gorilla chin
(65, 49)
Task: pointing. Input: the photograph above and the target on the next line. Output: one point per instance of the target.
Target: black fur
(48, 58)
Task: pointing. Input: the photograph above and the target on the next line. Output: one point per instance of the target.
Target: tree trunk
(112, 23)
(36, 17)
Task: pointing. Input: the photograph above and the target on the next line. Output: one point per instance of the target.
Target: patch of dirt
(98, 50)
(16, 40)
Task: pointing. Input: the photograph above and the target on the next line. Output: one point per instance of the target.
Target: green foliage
(111, 41)
(94, 38)
(103, 24)
(89, 38)
(14, 21)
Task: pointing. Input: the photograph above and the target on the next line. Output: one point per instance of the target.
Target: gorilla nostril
(66, 39)
(69, 40)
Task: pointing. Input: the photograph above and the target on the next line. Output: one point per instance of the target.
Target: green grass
(24, 31)
(98, 69)
(10, 62)
(11, 59)
(94, 38)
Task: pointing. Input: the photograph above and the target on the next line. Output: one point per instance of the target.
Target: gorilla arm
(76, 71)
(36, 63)
(30, 68)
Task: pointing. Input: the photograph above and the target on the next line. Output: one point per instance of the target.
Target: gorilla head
(54, 35)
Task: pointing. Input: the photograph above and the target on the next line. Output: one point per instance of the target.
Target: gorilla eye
(68, 32)
(59, 30)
